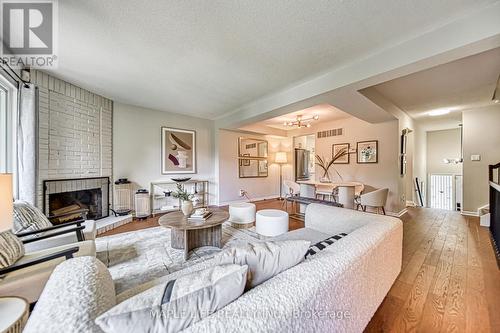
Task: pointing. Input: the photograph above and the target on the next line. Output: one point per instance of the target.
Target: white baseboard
(226, 203)
(468, 213)
(398, 214)
(410, 203)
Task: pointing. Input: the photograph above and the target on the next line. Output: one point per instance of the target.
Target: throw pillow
(11, 249)
(174, 305)
(319, 246)
(264, 259)
(28, 218)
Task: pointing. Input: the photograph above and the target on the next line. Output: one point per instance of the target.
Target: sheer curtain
(27, 152)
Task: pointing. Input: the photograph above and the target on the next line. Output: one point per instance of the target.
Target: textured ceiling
(206, 58)
(458, 85)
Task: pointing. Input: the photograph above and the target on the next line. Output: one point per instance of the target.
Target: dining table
(346, 190)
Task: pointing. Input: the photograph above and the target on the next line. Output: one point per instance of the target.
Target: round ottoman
(242, 215)
(271, 222)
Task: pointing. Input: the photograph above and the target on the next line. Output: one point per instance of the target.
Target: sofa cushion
(264, 259)
(28, 218)
(78, 291)
(319, 246)
(11, 249)
(308, 234)
(174, 305)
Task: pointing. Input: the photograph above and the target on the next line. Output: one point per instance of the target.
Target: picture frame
(367, 152)
(246, 162)
(256, 168)
(338, 147)
(178, 151)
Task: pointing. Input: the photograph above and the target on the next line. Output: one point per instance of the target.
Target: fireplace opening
(71, 205)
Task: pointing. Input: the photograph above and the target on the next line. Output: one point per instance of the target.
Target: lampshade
(6, 205)
(280, 157)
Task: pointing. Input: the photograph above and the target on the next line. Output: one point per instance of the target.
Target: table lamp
(6, 203)
(280, 158)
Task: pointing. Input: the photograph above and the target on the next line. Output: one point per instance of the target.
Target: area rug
(136, 257)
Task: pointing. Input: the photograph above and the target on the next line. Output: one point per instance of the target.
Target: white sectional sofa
(337, 290)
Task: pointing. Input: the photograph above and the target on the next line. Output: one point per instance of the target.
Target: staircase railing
(495, 208)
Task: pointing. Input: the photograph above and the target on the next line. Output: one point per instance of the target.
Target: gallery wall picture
(337, 148)
(367, 151)
(178, 151)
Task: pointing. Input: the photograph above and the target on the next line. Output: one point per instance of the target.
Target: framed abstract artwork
(339, 147)
(178, 151)
(367, 151)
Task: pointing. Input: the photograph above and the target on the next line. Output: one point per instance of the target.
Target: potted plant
(185, 197)
(325, 165)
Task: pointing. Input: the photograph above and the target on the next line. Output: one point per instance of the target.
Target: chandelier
(301, 121)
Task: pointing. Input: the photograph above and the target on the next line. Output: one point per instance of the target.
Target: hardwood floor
(449, 281)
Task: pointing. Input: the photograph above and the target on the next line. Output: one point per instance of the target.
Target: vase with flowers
(185, 198)
(325, 165)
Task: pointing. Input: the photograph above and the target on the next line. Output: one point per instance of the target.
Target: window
(8, 120)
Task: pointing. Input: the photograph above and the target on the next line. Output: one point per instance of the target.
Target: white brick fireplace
(75, 132)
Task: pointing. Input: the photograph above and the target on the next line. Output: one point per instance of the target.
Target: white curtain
(27, 143)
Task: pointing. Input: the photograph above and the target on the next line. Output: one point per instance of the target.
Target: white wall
(385, 173)
(440, 145)
(137, 142)
(481, 136)
(257, 188)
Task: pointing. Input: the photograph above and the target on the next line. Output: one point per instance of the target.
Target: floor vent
(332, 132)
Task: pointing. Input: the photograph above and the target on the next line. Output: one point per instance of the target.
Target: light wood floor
(449, 282)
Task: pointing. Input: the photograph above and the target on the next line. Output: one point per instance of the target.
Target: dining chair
(293, 190)
(376, 199)
(326, 192)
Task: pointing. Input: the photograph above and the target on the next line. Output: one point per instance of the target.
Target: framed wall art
(339, 147)
(178, 151)
(367, 151)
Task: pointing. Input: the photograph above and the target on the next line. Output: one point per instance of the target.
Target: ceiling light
(438, 112)
(301, 121)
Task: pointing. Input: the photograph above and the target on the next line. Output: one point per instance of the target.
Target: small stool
(242, 215)
(271, 222)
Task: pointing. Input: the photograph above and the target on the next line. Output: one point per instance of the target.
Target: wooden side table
(14, 313)
(189, 235)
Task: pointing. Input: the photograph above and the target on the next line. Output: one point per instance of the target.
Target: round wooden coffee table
(188, 235)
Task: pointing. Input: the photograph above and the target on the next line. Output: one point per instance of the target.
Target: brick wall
(75, 131)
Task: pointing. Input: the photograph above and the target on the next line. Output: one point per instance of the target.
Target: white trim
(469, 213)
(410, 203)
(399, 214)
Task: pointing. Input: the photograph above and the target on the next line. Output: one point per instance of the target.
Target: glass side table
(14, 313)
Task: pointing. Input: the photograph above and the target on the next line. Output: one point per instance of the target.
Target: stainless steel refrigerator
(301, 164)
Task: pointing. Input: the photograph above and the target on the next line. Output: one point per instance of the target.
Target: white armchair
(27, 276)
(376, 199)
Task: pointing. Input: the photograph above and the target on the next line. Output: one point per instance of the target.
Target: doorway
(441, 191)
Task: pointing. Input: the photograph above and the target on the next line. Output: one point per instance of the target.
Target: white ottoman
(271, 222)
(242, 215)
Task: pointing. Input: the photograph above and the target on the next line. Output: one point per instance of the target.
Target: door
(442, 191)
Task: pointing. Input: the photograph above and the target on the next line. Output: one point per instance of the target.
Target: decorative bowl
(180, 180)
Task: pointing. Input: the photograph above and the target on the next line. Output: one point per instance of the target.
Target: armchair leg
(364, 208)
(383, 210)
